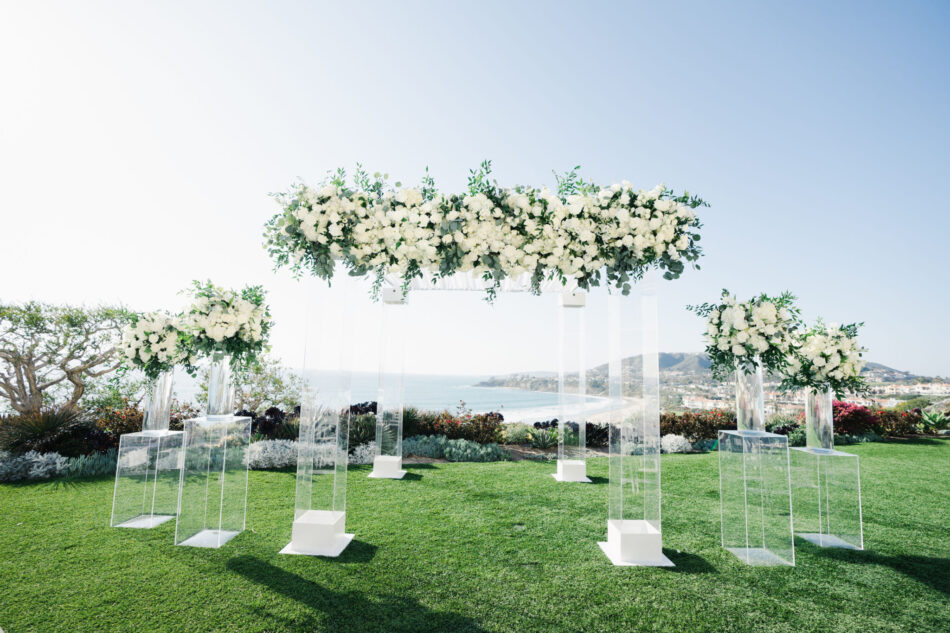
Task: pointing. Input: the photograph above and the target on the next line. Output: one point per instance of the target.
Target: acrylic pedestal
(212, 496)
(146, 479)
(634, 543)
(387, 467)
(572, 470)
(319, 533)
(755, 497)
(826, 487)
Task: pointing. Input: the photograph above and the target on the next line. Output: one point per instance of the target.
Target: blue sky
(138, 143)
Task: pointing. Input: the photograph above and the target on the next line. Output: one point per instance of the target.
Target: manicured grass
(478, 547)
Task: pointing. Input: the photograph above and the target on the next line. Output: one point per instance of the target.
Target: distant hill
(677, 367)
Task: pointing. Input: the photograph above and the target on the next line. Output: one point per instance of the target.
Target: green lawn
(478, 547)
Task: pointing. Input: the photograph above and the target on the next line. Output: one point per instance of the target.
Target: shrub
(697, 425)
(596, 434)
(851, 419)
(675, 444)
(62, 431)
(432, 446)
(362, 429)
(483, 428)
(364, 454)
(917, 402)
(781, 425)
(467, 451)
(517, 434)
(796, 437)
(180, 412)
(889, 423)
(92, 465)
(935, 420)
(362, 408)
(272, 454)
(543, 438)
(31, 465)
(116, 422)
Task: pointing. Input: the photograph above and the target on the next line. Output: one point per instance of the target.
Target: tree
(50, 352)
(261, 385)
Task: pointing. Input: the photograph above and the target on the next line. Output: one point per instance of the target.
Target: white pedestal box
(634, 526)
(755, 497)
(319, 533)
(826, 492)
(146, 479)
(634, 543)
(572, 470)
(212, 495)
(387, 467)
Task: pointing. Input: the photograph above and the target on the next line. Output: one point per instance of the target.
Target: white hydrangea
(828, 356)
(151, 342)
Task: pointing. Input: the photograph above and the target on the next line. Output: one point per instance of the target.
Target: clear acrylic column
(212, 493)
(572, 387)
(387, 463)
(319, 527)
(147, 470)
(754, 484)
(634, 529)
(826, 483)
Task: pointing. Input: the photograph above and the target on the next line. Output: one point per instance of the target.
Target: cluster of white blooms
(152, 342)
(497, 232)
(827, 357)
(745, 330)
(224, 314)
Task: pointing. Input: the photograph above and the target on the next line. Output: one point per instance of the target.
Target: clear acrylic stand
(319, 527)
(572, 423)
(212, 495)
(387, 463)
(634, 527)
(146, 479)
(826, 483)
(148, 466)
(755, 497)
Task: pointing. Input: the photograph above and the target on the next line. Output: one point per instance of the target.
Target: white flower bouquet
(576, 233)
(827, 357)
(228, 322)
(154, 343)
(741, 335)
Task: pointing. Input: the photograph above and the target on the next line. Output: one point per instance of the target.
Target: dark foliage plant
(596, 435)
(698, 425)
(64, 431)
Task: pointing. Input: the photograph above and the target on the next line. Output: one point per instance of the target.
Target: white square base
(332, 550)
(758, 556)
(634, 543)
(387, 467)
(145, 521)
(572, 470)
(210, 538)
(827, 540)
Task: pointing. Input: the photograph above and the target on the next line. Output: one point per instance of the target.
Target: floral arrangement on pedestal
(581, 232)
(742, 336)
(827, 357)
(234, 323)
(154, 342)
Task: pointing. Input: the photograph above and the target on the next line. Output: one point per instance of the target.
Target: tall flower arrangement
(827, 357)
(155, 343)
(742, 335)
(582, 231)
(235, 323)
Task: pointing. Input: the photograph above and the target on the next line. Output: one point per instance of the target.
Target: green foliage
(483, 428)
(431, 446)
(543, 438)
(916, 402)
(362, 429)
(263, 384)
(466, 451)
(935, 420)
(698, 425)
(62, 431)
(518, 433)
(93, 465)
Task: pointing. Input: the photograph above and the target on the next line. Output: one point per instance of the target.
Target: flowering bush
(483, 428)
(889, 423)
(740, 335)
(235, 323)
(675, 444)
(852, 419)
(153, 342)
(492, 232)
(827, 357)
(698, 425)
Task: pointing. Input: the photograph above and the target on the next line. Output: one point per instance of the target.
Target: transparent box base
(146, 521)
(634, 543)
(758, 556)
(210, 538)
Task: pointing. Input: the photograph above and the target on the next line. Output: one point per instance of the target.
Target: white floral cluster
(224, 314)
(152, 342)
(751, 328)
(498, 232)
(827, 357)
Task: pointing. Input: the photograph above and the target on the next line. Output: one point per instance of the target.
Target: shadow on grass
(420, 466)
(687, 563)
(918, 441)
(598, 480)
(931, 571)
(350, 611)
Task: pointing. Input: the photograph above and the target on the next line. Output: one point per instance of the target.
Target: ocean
(439, 392)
